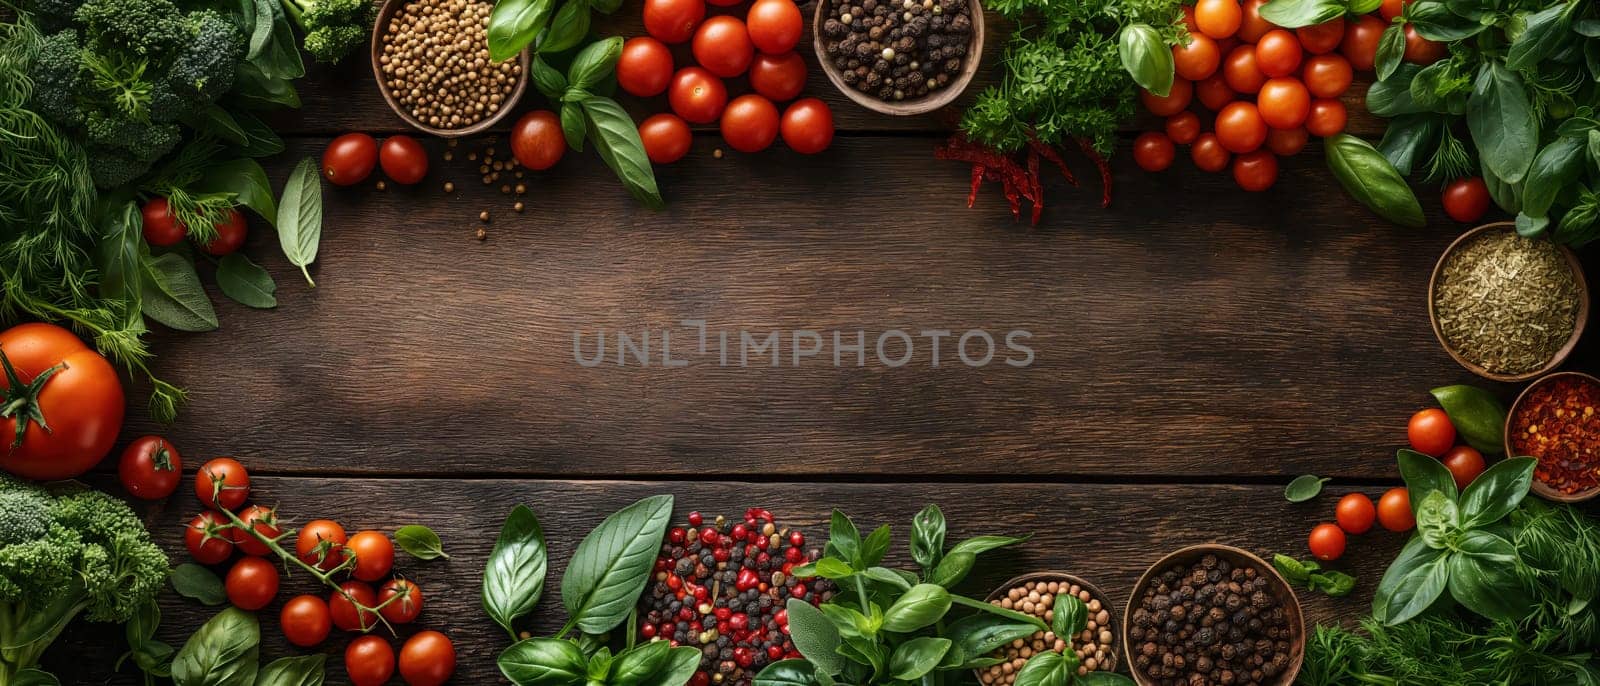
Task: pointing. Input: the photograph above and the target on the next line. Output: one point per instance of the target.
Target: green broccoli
(94, 557)
(52, 15)
(57, 74)
(334, 28)
(149, 29)
(203, 71)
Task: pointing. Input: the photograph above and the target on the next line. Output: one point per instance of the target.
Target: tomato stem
(22, 399)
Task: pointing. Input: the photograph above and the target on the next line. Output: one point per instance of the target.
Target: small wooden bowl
(1279, 589)
(1540, 488)
(1094, 592)
(922, 105)
(1561, 354)
(385, 13)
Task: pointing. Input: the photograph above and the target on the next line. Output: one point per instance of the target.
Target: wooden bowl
(922, 105)
(1094, 592)
(1540, 488)
(385, 13)
(1561, 354)
(1278, 587)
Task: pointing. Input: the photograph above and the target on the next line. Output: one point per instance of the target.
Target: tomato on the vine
(66, 398)
(645, 67)
(1286, 142)
(230, 234)
(666, 138)
(428, 658)
(779, 78)
(1360, 44)
(1321, 38)
(1327, 117)
(222, 482)
(1241, 71)
(673, 21)
(374, 554)
(1327, 76)
(537, 141)
(404, 608)
(261, 519)
(252, 583)
(1284, 103)
(1214, 92)
(1153, 151)
(1422, 51)
(1327, 542)
(369, 661)
(320, 543)
(1278, 53)
(1240, 127)
(1465, 200)
(1430, 432)
(150, 468)
(1355, 513)
(349, 159)
(403, 159)
(345, 614)
(807, 126)
(774, 25)
(750, 123)
(1218, 18)
(697, 95)
(1183, 127)
(1394, 510)
(1252, 26)
(722, 45)
(208, 538)
(1209, 154)
(305, 621)
(1175, 101)
(1465, 464)
(1196, 60)
(161, 227)
(1255, 171)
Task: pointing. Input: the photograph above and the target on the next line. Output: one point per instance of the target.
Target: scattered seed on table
(449, 155)
(505, 188)
(717, 153)
(482, 235)
(521, 188)
(449, 187)
(518, 173)
(483, 169)
(472, 156)
(451, 143)
(517, 207)
(380, 185)
(484, 216)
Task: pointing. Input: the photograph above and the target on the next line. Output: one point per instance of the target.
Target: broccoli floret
(52, 15)
(203, 71)
(23, 515)
(111, 168)
(57, 74)
(151, 29)
(142, 141)
(334, 28)
(94, 557)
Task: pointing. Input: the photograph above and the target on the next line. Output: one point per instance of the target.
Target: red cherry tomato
(537, 141)
(1327, 76)
(1240, 127)
(697, 95)
(1422, 51)
(1255, 171)
(1394, 510)
(1208, 153)
(369, 661)
(252, 583)
(1188, 19)
(349, 159)
(150, 468)
(1214, 92)
(1278, 53)
(778, 78)
(774, 25)
(264, 521)
(1241, 71)
(208, 538)
(1430, 432)
(161, 227)
(1391, 9)
(1465, 200)
(230, 234)
(321, 543)
(1321, 38)
(645, 67)
(673, 21)
(1465, 464)
(428, 658)
(1198, 59)
(750, 123)
(1355, 513)
(1183, 127)
(807, 126)
(1218, 18)
(1286, 142)
(404, 608)
(345, 614)
(1153, 151)
(666, 138)
(1327, 117)
(374, 555)
(305, 621)
(1284, 102)
(1360, 44)
(403, 159)
(1252, 27)
(1327, 542)
(223, 479)
(1175, 101)
(722, 45)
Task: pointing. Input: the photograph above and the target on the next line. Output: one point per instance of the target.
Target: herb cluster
(588, 114)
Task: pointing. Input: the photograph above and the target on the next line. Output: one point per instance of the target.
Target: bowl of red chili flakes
(1557, 421)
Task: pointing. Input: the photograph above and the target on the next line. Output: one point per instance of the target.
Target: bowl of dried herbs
(1505, 306)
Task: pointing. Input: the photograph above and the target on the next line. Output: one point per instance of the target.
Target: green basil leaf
(1437, 519)
(978, 545)
(599, 666)
(1496, 492)
(916, 657)
(574, 127)
(874, 547)
(1502, 123)
(888, 576)
(1391, 51)
(255, 89)
(612, 565)
(34, 677)
(569, 27)
(921, 606)
(513, 580)
(216, 121)
(1103, 679)
(1530, 226)
(1422, 475)
(154, 658)
(863, 651)
(1576, 223)
(1391, 97)
(1303, 488)
(1508, 196)
(1295, 14)
(141, 626)
(1415, 579)
(927, 537)
(1440, 88)
(787, 673)
(547, 80)
(121, 255)
(305, 670)
(814, 636)
(605, 6)
(198, 583)
(1147, 58)
(421, 542)
(1543, 34)
(1434, 21)
(1483, 577)
(635, 665)
(617, 140)
(844, 539)
(246, 180)
(223, 652)
(300, 216)
(1406, 137)
(1071, 616)
(676, 670)
(543, 662)
(1335, 584)
(1477, 414)
(1295, 571)
(981, 633)
(953, 569)
(1555, 167)
(1369, 177)
(833, 568)
(171, 294)
(513, 24)
(1591, 57)
(594, 63)
(1043, 669)
(1588, 28)
(245, 281)
(849, 622)
(261, 140)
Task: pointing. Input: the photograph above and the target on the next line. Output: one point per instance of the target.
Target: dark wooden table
(1195, 346)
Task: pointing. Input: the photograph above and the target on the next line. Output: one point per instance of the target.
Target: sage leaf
(787, 673)
(1501, 121)
(543, 662)
(246, 282)
(874, 547)
(421, 542)
(927, 535)
(300, 216)
(612, 564)
(1372, 180)
(1423, 475)
(246, 180)
(1147, 58)
(1477, 414)
(921, 606)
(916, 657)
(305, 670)
(1483, 577)
(223, 652)
(198, 583)
(171, 294)
(814, 636)
(1415, 579)
(1295, 14)
(513, 580)
(1496, 492)
(1303, 488)
(617, 140)
(513, 24)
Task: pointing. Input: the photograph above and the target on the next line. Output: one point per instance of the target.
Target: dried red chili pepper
(1105, 170)
(1559, 423)
(1038, 186)
(1053, 157)
(977, 182)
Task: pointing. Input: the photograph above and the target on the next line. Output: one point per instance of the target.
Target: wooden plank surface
(1108, 534)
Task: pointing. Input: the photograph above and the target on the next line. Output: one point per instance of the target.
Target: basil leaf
(676, 670)
(1531, 227)
(198, 583)
(549, 82)
(246, 180)
(1438, 88)
(1043, 669)
(1496, 492)
(216, 121)
(1483, 577)
(612, 564)
(261, 141)
(833, 568)
(888, 576)
(1506, 195)
(953, 569)
(171, 294)
(1406, 137)
(34, 677)
(927, 535)
(638, 663)
(814, 636)
(1147, 58)
(1502, 122)
(844, 540)
(981, 633)
(300, 216)
(1372, 180)
(543, 662)
(1071, 616)
(574, 127)
(306, 670)
(787, 673)
(254, 88)
(594, 63)
(513, 580)
(1295, 14)
(921, 606)
(617, 140)
(1554, 168)
(916, 657)
(223, 652)
(279, 58)
(605, 6)
(1295, 571)
(1543, 34)
(141, 626)
(1415, 579)
(849, 622)
(1103, 679)
(513, 24)
(874, 547)
(978, 545)
(1422, 475)
(1303, 488)
(1391, 51)
(121, 255)
(246, 282)
(1334, 584)
(1434, 21)
(1359, 7)
(599, 666)
(1437, 519)
(567, 29)
(421, 542)
(1391, 97)
(1477, 414)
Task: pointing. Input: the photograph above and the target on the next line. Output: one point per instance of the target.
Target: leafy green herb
(1309, 573)
(612, 565)
(421, 542)
(171, 294)
(300, 216)
(513, 580)
(1372, 179)
(304, 670)
(1296, 14)
(1147, 57)
(193, 581)
(1303, 488)
(245, 281)
(223, 652)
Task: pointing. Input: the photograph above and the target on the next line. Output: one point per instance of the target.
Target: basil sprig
(1372, 179)
(547, 26)
(588, 116)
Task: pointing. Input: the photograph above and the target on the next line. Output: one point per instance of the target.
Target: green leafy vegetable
(612, 565)
(300, 216)
(193, 581)
(1147, 57)
(172, 295)
(513, 580)
(420, 541)
(1372, 180)
(1303, 488)
(245, 281)
(223, 652)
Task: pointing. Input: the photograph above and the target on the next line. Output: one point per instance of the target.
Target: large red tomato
(53, 380)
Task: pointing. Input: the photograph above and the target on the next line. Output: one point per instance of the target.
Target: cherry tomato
(1278, 53)
(1327, 542)
(1394, 510)
(1465, 464)
(226, 475)
(1327, 117)
(1208, 153)
(1252, 26)
(261, 519)
(369, 661)
(778, 78)
(1321, 38)
(1430, 432)
(1188, 19)
(150, 468)
(428, 658)
(374, 555)
(1255, 171)
(1360, 44)
(305, 621)
(645, 67)
(1218, 18)
(1174, 102)
(1284, 103)
(1422, 51)
(403, 159)
(697, 95)
(1198, 59)
(349, 159)
(666, 138)
(208, 538)
(402, 610)
(722, 45)
(673, 21)
(230, 234)
(252, 583)
(1286, 142)
(774, 25)
(344, 612)
(537, 141)
(1183, 127)
(321, 543)
(1327, 76)
(750, 123)
(1241, 71)
(1355, 513)
(1153, 151)
(161, 227)
(807, 126)
(1240, 127)
(1465, 200)
(1214, 92)
(1391, 9)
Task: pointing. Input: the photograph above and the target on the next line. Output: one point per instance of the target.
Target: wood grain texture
(1192, 329)
(1107, 534)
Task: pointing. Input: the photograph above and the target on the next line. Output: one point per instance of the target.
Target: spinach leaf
(223, 652)
(246, 282)
(171, 294)
(612, 565)
(513, 24)
(1477, 414)
(513, 580)
(617, 140)
(300, 216)
(1555, 167)
(814, 636)
(1502, 123)
(1406, 137)
(305, 670)
(543, 662)
(1294, 14)
(1372, 180)
(246, 180)
(421, 542)
(1483, 577)
(1147, 58)
(916, 657)
(921, 606)
(927, 536)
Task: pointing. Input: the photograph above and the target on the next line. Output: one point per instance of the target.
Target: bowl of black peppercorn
(1213, 614)
(899, 57)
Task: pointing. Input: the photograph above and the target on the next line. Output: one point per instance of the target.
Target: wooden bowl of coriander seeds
(1507, 307)
(431, 61)
(1553, 420)
(1035, 594)
(1238, 622)
(899, 57)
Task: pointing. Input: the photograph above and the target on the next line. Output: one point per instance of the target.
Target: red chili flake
(1105, 170)
(1558, 423)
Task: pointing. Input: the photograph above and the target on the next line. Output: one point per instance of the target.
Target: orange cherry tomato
(1394, 510)
(1176, 100)
(1430, 432)
(1278, 53)
(1355, 513)
(1153, 151)
(374, 555)
(1196, 60)
(1327, 76)
(1208, 153)
(1286, 142)
(1327, 542)
(1214, 92)
(1253, 27)
(1218, 18)
(1255, 171)
(1327, 118)
(1465, 464)
(1183, 127)
(1241, 71)
(1321, 38)
(1284, 103)
(1240, 127)
(1360, 44)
